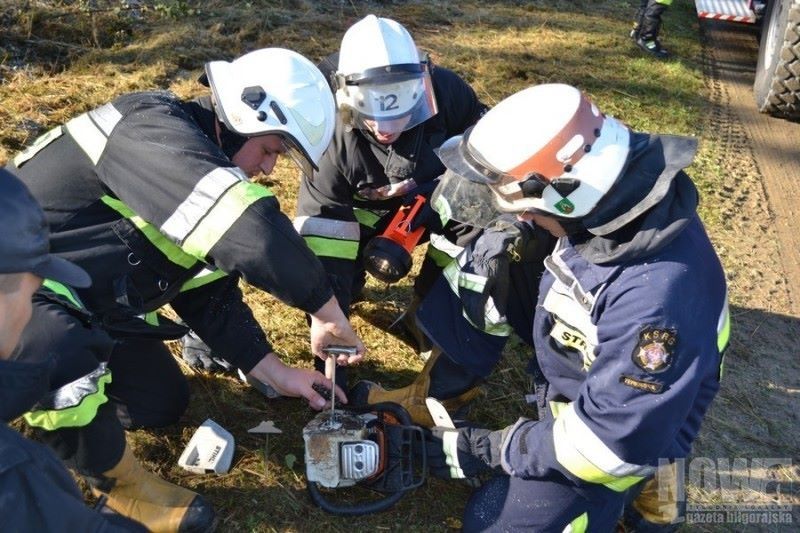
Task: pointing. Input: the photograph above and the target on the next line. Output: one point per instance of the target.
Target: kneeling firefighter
(152, 196)
(395, 108)
(631, 320)
(489, 291)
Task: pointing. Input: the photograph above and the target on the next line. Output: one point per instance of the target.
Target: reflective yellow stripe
(579, 525)
(173, 252)
(494, 325)
(724, 334)
(443, 209)
(203, 278)
(557, 407)
(439, 257)
(323, 247)
(77, 416)
(222, 216)
(579, 450)
(63, 290)
(366, 217)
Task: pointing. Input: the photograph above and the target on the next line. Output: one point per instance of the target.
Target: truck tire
(777, 82)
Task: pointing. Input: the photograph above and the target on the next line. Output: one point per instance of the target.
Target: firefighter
(151, 196)
(29, 472)
(394, 109)
(487, 292)
(647, 25)
(631, 323)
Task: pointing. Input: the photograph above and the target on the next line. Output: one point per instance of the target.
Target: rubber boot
(440, 378)
(159, 505)
(406, 325)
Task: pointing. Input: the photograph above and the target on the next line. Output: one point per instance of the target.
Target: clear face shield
(387, 100)
(293, 150)
(465, 201)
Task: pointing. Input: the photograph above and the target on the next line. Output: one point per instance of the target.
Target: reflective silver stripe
(38, 145)
(73, 393)
(201, 200)
(496, 324)
(106, 117)
(91, 130)
(328, 227)
(574, 439)
(570, 312)
(450, 448)
(441, 243)
(89, 137)
(724, 316)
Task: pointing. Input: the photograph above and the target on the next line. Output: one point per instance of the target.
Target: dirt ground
(760, 247)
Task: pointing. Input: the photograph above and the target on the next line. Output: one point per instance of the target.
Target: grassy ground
(57, 59)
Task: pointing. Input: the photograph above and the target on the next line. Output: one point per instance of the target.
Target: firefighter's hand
(295, 382)
(463, 452)
(329, 326)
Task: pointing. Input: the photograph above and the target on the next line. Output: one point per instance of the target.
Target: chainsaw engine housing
(376, 447)
(338, 452)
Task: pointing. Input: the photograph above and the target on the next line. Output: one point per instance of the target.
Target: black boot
(407, 329)
(649, 28)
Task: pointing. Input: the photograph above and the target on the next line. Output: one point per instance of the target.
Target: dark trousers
(147, 389)
(506, 504)
(648, 18)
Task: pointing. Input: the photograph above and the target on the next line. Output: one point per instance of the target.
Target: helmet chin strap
(227, 140)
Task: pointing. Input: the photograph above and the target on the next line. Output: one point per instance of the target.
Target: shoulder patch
(654, 351)
(640, 384)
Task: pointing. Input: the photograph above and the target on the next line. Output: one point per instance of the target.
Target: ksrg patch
(654, 352)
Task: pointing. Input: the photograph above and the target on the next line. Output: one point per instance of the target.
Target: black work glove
(464, 452)
(489, 259)
(197, 354)
(427, 216)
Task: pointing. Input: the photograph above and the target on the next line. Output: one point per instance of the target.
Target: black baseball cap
(25, 243)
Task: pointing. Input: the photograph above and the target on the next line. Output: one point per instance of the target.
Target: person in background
(647, 26)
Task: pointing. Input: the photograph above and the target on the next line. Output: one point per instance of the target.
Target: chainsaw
(374, 446)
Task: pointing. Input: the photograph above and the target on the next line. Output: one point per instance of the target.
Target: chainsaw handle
(357, 509)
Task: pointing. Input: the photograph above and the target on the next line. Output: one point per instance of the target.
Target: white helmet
(381, 83)
(279, 92)
(546, 148)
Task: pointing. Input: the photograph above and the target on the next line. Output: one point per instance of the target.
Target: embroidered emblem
(640, 384)
(653, 353)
